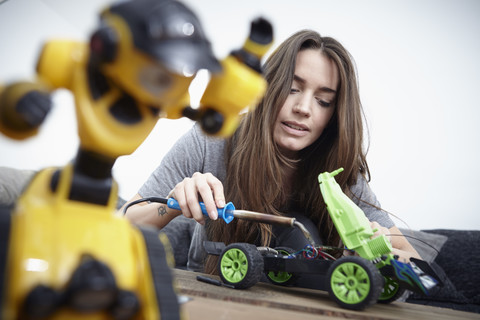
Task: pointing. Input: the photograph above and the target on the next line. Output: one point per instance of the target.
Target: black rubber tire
(240, 265)
(354, 283)
(167, 300)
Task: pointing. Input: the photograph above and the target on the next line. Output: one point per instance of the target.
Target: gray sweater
(196, 152)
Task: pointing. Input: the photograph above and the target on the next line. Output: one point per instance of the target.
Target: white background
(419, 74)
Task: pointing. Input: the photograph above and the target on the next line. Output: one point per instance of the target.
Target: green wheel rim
(234, 265)
(279, 277)
(350, 283)
(390, 288)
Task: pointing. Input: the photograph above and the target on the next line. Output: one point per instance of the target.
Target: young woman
(309, 122)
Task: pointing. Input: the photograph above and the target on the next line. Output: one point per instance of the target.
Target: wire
(310, 252)
(381, 209)
(150, 199)
(411, 237)
(327, 255)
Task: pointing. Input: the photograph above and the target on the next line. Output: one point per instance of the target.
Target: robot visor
(186, 57)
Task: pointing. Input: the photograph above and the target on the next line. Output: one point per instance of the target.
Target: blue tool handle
(225, 213)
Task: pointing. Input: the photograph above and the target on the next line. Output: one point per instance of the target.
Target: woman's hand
(379, 230)
(203, 187)
(401, 247)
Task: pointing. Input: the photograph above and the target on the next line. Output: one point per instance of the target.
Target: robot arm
(25, 105)
(238, 86)
(23, 108)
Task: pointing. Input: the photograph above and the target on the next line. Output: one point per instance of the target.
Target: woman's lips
(294, 128)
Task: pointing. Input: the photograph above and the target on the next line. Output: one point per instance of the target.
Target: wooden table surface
(266, 301)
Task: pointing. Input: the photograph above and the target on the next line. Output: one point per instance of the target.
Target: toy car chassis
(354, 282)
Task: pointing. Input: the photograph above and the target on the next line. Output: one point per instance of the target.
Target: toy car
(354, 282)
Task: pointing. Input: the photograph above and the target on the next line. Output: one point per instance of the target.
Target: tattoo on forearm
(162, 210)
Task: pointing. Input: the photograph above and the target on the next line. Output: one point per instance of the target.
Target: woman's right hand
(203, 187)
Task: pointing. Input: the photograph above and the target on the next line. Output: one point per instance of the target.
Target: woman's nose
(302, 106)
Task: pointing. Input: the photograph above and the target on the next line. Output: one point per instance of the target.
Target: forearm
(401, 246)
(156, 214)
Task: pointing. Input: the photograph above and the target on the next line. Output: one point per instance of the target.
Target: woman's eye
(293, 90)
(323, 103)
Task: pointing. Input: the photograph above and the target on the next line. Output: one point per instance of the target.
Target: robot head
(169, 32)
(152, 48)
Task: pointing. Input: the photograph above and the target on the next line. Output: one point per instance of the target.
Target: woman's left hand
(379, 230)
(401, 247)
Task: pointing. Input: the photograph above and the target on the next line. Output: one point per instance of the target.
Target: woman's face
(310, 104)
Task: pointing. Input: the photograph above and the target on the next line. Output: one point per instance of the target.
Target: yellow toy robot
(64, 254)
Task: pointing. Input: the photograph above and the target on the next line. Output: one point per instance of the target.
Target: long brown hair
(255, 179)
